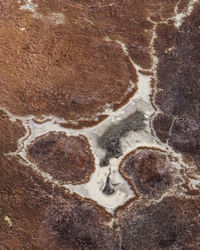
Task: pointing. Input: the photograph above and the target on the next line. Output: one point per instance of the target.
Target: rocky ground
(100, 124)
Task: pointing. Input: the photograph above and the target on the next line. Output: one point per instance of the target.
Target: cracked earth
(100, 124)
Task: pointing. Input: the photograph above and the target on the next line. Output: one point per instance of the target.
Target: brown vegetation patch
(66, 158)
(80, 224)
(148, 171)
(178, 81)
(172, 223)
(10, 133)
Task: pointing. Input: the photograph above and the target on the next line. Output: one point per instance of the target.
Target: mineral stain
(110, 140)
(108, 190)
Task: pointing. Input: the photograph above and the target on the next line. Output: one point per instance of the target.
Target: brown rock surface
(148, 171)
(66, 158)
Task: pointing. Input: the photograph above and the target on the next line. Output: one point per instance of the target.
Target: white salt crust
(52, 18)
(28, 5)
(144, 138)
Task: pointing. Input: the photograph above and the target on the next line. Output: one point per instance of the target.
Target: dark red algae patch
(172, 223)
(66, 158)
(147, 170)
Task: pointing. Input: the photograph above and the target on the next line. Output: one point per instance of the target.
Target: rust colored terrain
(33, 215)
(76, 60)
(10, 132)
(64, 58)
(66, 158)
(148, 171)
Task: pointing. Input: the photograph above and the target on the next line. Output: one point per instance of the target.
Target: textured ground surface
(68, 159)
(100, 124)
(148, 171)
